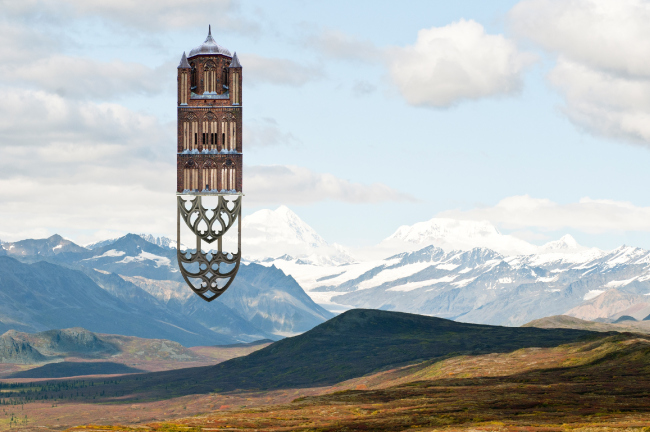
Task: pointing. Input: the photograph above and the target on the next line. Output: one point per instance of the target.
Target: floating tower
(209, 164)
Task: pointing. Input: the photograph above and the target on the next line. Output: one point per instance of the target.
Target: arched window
(209, 130)
(190, 176)
(209, 177)
(236, 100)
(228, 176)
(193, 76)
(229, 132)
(190, 132)
(210, 77)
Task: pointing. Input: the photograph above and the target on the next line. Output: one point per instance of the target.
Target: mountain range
(293, 279)
(469, 271)
(130, 286)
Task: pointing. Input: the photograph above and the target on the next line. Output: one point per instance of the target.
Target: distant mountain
(132, 255)
(51, 246)
(269, 234)
(264, 298)
(18, 351)
(452, 234)
(44, 296)
(481, 285)
(611, 303)
(141, 280)
(163, 242)
(55, 345)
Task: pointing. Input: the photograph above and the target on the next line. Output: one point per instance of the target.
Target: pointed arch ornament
(208, 274)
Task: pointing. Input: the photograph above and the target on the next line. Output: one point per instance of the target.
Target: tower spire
(184, 64)
(209, 30)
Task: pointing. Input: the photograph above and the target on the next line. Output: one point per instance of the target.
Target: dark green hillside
(362, 341)
(350, 345)
(70, 369)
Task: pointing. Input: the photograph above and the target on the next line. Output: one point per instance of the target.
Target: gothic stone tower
(209, 163)
(209, 121)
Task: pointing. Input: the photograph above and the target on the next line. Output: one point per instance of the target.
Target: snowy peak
(282, 223)
(274, 233)
(565, 244)
(51, 246)
(444, 228)
(163, 242)
(451, 234)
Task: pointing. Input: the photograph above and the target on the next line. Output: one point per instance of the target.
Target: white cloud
(340, 45)
(88, 78)
(258, 69)
(286, 184)
(587, 215)
(36, 120)
(602, 34)
(603, 65)
(604, 103)
(139, 14)
(456, 62)
(266, 132)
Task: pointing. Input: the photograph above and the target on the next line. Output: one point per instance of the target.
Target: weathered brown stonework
(218, 108)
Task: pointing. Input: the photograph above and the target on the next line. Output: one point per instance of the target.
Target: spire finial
(184, 63)
(209, 30)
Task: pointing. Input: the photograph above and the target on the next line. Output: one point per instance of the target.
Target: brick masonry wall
(199, 109)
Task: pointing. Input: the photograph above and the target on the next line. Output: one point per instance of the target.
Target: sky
(360, 116)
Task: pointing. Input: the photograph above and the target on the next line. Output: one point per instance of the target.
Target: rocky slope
(132, 287)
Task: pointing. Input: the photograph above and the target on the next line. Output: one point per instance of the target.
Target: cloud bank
(273, 184)
(603, 60)
(593, 216)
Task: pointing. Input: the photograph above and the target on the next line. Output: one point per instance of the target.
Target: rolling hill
(351, 345)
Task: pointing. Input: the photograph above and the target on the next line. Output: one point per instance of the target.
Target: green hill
(362, 341)
(569, 322)
(353, 344)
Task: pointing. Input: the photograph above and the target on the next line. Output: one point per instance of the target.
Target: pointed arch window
(190, 176)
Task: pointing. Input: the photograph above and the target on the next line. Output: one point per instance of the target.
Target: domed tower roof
(209, 47)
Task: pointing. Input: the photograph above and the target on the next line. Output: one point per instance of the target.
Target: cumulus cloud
(260, 69)
(604, 103)
(603, 60)
(588, 215)
(601, 34)
(266, 132)
(287, 184)
(456, 62)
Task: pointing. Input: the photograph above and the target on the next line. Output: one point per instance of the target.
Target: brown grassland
(602, 384)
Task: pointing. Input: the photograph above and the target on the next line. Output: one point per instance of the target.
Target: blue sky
(361, 117)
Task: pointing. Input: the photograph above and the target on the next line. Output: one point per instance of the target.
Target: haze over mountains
(133, 287)
(431, 268)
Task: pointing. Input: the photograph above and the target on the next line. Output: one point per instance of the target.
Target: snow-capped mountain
(51, 246)
(452, 234)
(131, 286)
(163, 242)
(480, 285)
(281, 233)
